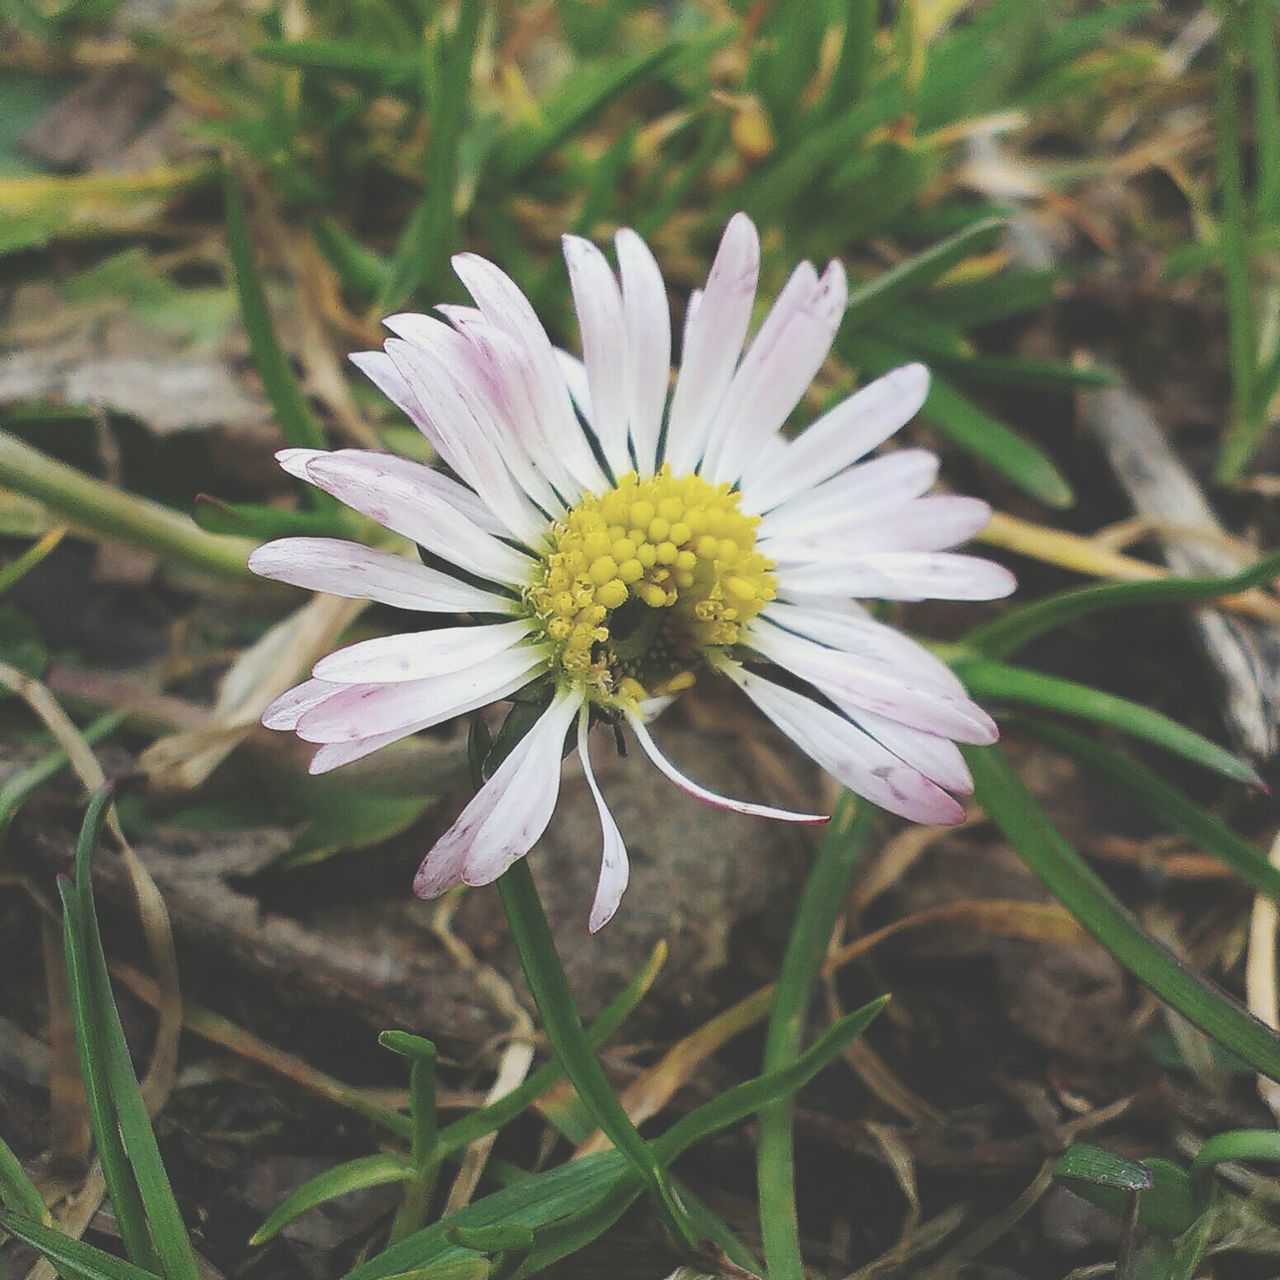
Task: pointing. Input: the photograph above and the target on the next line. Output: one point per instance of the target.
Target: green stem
(820, 905)
(1260, 44)
(92, 504)
(550, 988)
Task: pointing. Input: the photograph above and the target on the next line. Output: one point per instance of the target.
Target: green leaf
(342, 818)
(379, 69)
(1083, 1163)
(257, 520)
(468, 1268)
(1018, 627)
(364, 271)
(341, 1180)
(74, 1259)
(1166, 1195)
(1238, 1144)
(996, 297)
(497, 1237)
(997, 680)
(1014, 810)
(297, 424)
(17, 1190)
(102, 1047)
(1170, 806)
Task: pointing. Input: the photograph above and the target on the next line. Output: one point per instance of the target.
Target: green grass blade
(111, 1052)
(1015, 811)
(372, 68)
(823, 897)
(297, 424)
(1005, 635)
(351, 1175)
(997, 680)
(17, 1191)
(74, 1259)
(1238, 1144)
(1169, 806)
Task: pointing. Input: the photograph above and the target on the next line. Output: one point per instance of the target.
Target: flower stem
(550, 988)
(89, 503)
(820, 905)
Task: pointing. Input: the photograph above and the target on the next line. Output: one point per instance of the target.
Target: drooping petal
(938, 758)
(840, 437)
(902, 575)
(363, 711)
(776, 371)
(847, 753)
(419, 655)
(856, 686)
(509, 813)
(598, 302)
(615, 869)
(414, 503)
(701, 793)
(713, 342)
(293, 704)
(648, 323)
(333, 755)
(356, 571)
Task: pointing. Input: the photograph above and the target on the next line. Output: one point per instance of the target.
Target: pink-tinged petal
(508, 815)
(351, 569)
(902, 575)
(416, 505)
(939, 759)
(869, 487)
(333, 755)
(840, 437)
(363, 711)
(851, 757)
(293, 704)
(418, 655)
(778, 368)
(713, 342)
(504, 306)
(855, 685)
(935, 523)
(598, 302)
(456, 409)
(294, 461)
(648, 323)
(866, 641)
(615, 868)
(690, 787)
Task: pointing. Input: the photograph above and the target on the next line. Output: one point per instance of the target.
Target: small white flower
(620, 561)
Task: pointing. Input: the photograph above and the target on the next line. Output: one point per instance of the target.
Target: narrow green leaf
(352, 1175)
(1022, 371)
(1014, 810)
(111, 1052)
(995, 297)
(1083, 1163)
(1238, 1144)
(1015, 629)
(496, 1237)
(998, 680)
(364, 271)
(297, 424)
(74, 1259)
(378, 69)
(823, 898)
(258, 520)
(1166, 1204)
(17, 1191)
(468, 1268)
(1169, 806)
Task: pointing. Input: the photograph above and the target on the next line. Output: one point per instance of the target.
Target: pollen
(637, 585)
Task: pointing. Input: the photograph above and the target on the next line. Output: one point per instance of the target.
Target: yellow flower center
(639, 582)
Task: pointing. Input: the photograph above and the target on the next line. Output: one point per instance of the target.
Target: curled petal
(614, 866)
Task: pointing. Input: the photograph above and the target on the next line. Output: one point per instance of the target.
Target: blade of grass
(815, 918)
(17, 1191)
(1005, 635)
(74, 1259)
(1073, 882)
(110, 1052)
(1169, 806)
(997, 680)
(351, 1175)
(1260, 44)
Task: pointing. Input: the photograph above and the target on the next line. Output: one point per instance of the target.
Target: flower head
(615, 545)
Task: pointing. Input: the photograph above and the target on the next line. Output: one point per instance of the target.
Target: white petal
(781, 362)
(874, 486)
(418, 655)
(855, 686)
(648, 323)
(508, 814)
(847, 753)
(614, 866)
(333, 755)
(903, 575)
(701, 793)
(293, 704)
(354, 570)
(934, 523)
(363, 711)
(294, 461)
(939, 759)
(416, 504)
(867, 641)
(503, 305)
(713, 342)
(598, 302)
(841, 436)
(575, 378)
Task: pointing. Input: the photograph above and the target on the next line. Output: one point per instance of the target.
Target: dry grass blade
(1260, 974)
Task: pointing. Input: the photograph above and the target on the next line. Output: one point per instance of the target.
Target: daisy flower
(613, 544)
